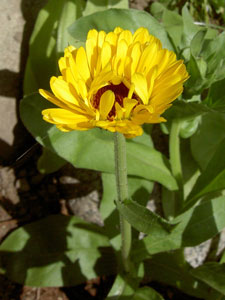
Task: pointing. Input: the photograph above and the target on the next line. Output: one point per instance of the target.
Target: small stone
(22, 185)
(68, 180)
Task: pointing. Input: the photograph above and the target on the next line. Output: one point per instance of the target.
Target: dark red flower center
(120, 91)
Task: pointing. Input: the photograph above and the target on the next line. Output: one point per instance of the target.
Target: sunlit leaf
(127, 19)
(171, 269)
(207, 138)
(49, 162)
(213, 274)
(56, 251)
(212, 178)
(195, 226)
(93, 6)
(143, 219)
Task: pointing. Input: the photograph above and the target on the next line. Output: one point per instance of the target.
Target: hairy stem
(122, 192)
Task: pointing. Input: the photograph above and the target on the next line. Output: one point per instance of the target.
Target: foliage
(50, 251)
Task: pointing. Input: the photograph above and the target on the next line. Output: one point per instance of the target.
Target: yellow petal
(118, 30)
(82, 64)
(135, 55)
(147, 60)
(62, 91)
(92, 54)
(62, 104)
(141, 88)
(129, 104)
(101, 39)
(63, 116)
(151, 79)
(106, 103)
(105, 54)
(127, 36)
(119, 111)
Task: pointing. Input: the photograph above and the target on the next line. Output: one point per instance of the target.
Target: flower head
(118, 82)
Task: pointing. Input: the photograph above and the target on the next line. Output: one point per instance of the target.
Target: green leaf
(48, 37)
(195, 226)
(213, 274)
(157, 9)
(216, 97)
(93, 6)
(56, 251)
(169, 269)
(139, 189)
(72, 10)
(197, 42)
(212, 179)
(196, 82)
(42, 60)
(146, 293)
(190, 29)
(174, 25)
(122, 289)
(93, 149)
(49, 162)
(127, 19)
(213, 54)
(208, 137)
(143, 219)
(189, 127)
(185, 110)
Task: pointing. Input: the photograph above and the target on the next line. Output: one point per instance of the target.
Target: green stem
(174, 148)
(122, 191)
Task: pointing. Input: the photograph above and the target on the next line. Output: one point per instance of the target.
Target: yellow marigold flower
(117, 82)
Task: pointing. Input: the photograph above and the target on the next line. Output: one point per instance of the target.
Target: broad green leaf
(190, 29)
(197, 42)
(190, 169)
(93, 149)
(72, 10)
(157, 9)
(49, 36)
(122, 289)
(213, 54)
(195, 226)
(174, 25)
(93, 6)
(139, 189)
(50, 162)
(146, 293)
(42, 60)
(56, 251)
(127, 19)
(196, 82)
(143, 219)
(212, 178)
(168, 269)
(216, 97)
(213, 274)
(208, 137)
(185, 110)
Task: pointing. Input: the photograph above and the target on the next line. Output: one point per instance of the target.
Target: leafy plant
(71, 250)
